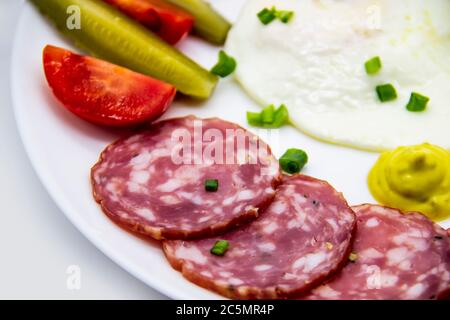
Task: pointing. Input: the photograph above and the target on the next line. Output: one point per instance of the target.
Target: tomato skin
(103, 93)
(167, 21)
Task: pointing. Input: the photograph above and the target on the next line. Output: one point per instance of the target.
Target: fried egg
(314, 64)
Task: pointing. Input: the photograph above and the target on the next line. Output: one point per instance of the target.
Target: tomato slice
(169, 22)
(104, 93)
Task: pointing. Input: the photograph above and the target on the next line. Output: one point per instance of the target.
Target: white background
(37, 242)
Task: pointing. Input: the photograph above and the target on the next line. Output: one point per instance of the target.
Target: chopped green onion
(386, 92)
(293, 160)
(284, 15)
(211, 185)
(269, 117)
(254, 119)
(220, 247)
(266, 16)
(268, 114)
(225, 66)
(417, 102)
(281, 117)
(373, 65)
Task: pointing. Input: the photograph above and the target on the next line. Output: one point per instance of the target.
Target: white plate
(63, 148)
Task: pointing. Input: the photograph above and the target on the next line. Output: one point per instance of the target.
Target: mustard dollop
(414, 178)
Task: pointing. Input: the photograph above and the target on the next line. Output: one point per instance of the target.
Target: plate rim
(50, 186)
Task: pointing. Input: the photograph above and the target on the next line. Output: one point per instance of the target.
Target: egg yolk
(414, 178)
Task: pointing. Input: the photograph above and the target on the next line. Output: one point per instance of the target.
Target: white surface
(37, 242)
(63, 148)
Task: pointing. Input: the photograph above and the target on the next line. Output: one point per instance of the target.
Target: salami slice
(154, 181)
(304, 236)
(398, 256)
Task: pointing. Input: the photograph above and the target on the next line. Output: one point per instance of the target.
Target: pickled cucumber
(106, 33)
(208, 23)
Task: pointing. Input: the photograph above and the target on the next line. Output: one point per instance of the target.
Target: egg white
(315, 65)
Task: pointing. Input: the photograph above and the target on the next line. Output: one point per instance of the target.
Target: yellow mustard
(414, 178)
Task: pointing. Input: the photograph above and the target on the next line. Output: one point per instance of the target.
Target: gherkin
(110, 35)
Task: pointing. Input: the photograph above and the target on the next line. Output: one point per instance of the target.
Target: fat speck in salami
(185, 178)
(302, 238)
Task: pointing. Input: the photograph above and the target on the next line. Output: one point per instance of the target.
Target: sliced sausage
(154, 181)
(301, 239)
(395, 256)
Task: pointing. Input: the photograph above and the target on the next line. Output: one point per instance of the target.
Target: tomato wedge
(170, 23)
(104, 93)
